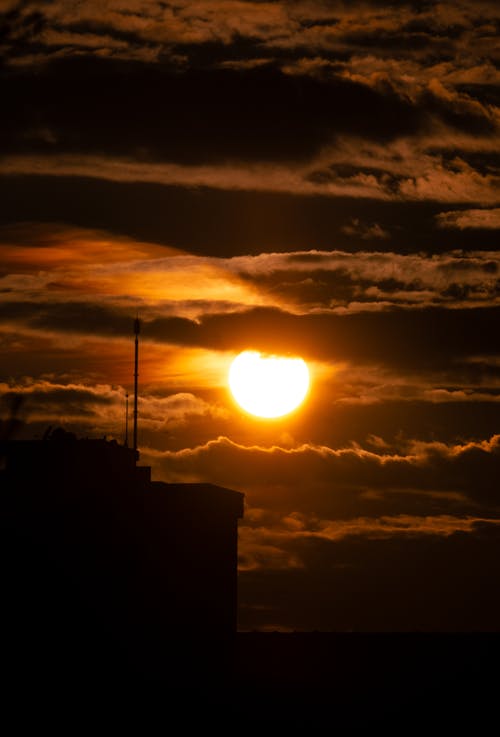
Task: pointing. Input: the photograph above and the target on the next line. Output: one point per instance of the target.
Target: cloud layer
(312, 178)
(258, 96)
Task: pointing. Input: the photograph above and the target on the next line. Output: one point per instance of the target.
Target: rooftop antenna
(126, 420)
(137, 330)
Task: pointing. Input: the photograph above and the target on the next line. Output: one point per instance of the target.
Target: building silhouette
(102, 565)
(118, 594)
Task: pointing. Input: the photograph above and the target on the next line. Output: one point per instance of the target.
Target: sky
(311, 178)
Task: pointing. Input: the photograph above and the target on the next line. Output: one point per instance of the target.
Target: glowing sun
(268, 386)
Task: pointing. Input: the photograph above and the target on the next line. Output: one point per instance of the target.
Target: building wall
(103, 560)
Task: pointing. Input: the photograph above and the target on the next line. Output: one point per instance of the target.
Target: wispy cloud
(365, 231)
(54, 263)
(403, 171)
(277, 546)
(479, 218)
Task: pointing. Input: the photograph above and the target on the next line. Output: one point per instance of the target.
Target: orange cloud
(407, 168)
(317, 470)
(274, 547)
(31, 247)
(478, 218)
(97, 407)
(62, 260)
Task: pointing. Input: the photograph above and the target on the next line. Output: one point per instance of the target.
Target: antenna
(137, 330)
(126, 420)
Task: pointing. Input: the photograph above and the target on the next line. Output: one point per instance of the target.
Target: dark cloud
(100, 408)
(365, 231)
(423, 338)
(194, 96)
(197, 116)
(88, 319)
(418, 573)
(396, 420)
(400, 338)
(223, 223)
(324, 485)
(401, 583)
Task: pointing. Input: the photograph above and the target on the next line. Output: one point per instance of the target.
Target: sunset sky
(310, 178)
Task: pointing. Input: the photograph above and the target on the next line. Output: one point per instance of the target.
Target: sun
(268, 386)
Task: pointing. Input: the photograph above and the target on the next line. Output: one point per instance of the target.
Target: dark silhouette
(119, 592)
(10, 426)
(137, 330)
(108, 575)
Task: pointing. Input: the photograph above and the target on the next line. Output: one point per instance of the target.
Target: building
(101, 562)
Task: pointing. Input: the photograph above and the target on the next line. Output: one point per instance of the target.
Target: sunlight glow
(268, 386)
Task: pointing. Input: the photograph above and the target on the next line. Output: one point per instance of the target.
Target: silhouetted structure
(114, 584)
(137, 330)
(100, 562)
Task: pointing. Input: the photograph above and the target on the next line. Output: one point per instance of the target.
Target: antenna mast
(137, 329)
(126, 420)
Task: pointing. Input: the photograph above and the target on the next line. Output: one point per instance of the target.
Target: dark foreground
(338, 683)
(398, 682)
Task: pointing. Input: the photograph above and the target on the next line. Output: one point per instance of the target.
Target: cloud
(255, 123)
(94, 407)
(406, 170)
(401, 582)
(276, 546)
(51, 262)
(317, 478)
(478, 219)
(62, 261)
(333, 27)
(296, 125)
(361, 319)
(364, 231)
(343, 281)
(398, 338)
(259, 177)
(412, 76)
(204, 116)
(147, 23)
